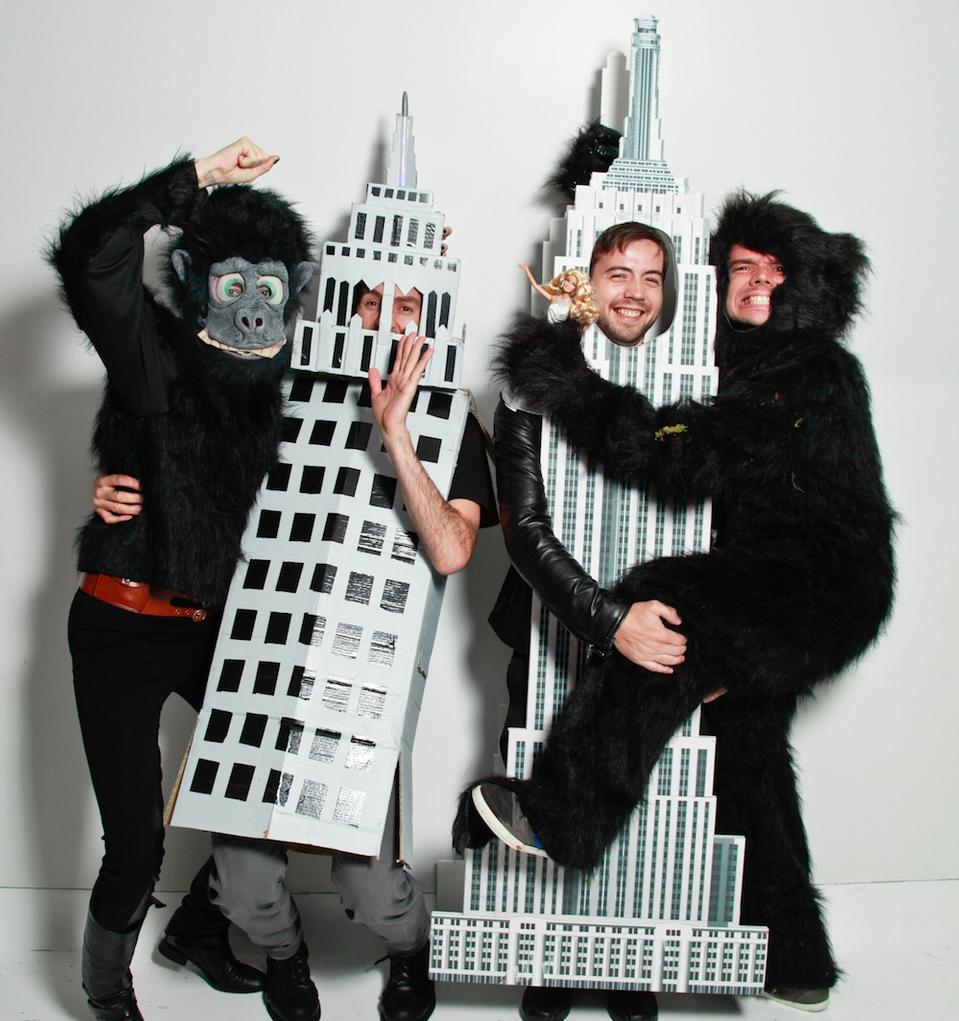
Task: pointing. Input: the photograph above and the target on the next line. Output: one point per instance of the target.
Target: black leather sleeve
(580, 602)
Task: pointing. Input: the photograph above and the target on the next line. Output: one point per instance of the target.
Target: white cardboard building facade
(661, 912)
(323, 653)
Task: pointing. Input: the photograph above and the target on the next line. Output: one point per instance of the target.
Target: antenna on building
(401, 170)
(640, 165)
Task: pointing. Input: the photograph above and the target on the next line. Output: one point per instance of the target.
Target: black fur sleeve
(580, 602)
(545, 369)
(98, 255)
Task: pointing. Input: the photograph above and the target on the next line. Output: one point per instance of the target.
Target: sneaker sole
(808, 1008)
(499, 829)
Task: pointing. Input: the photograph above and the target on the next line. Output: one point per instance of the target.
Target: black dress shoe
(631, 1005)
(545, 1003)
(213, 958)
(409, 994)
(121, 1006)
(289, 993)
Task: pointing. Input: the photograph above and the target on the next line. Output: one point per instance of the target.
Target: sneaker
(499, 809)
(811, 1000)
(289, 993)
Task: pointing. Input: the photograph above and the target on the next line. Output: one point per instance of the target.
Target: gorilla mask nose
(250, 323)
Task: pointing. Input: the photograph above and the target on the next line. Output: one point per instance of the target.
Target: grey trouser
(248, 884)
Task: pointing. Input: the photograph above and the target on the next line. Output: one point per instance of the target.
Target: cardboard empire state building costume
(323, 653)
(661, 911)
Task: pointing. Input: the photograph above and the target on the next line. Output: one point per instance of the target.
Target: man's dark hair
(620, 236)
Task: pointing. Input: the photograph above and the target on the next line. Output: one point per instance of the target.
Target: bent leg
(598, 758)
(383, 895)
(248, 884)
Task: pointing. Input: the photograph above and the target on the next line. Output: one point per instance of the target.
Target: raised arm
(532, 282)
(447, 528)
(98, 255)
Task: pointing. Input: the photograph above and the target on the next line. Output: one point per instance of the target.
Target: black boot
(215, 961)
(545, 1003)
(121, 1006)
(198, 934)
(289, 992)
(631, 1005)
(409, 994)
(105, 969)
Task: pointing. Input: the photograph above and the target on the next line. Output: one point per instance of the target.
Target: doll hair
(583, 309)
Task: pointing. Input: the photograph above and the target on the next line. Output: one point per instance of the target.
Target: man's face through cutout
(628, 290)
(753, 276)
(407, 307)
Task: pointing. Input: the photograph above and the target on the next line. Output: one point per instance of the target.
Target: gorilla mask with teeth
(237, 270)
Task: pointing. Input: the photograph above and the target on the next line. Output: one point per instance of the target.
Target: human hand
(444, 247)
(239, 163)
(645, 640)
(114, 504)
(391, 401)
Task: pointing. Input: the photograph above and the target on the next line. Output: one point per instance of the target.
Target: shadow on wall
(57, 809)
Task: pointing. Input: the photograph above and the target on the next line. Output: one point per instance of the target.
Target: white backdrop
(848, 107)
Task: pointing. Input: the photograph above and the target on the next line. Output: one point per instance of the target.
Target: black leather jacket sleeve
(580, 602)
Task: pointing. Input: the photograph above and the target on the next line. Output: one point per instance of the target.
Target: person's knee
(249, 882)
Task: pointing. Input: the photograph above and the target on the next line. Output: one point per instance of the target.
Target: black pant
(756, 796)
(125, 665)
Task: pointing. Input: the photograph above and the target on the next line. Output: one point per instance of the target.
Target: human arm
(532, 282)
(447, 528)
(637, 630)
(117, 498)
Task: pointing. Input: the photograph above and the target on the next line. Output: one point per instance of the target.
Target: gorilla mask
(238, 269)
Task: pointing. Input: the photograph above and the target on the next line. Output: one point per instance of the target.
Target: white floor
(896, 941)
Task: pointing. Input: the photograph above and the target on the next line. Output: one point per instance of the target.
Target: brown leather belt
(142, 597)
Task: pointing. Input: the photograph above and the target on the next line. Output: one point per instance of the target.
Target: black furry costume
(199, 426)
(797, 587)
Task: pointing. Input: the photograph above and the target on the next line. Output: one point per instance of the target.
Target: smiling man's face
(628, 288)
(753, 276)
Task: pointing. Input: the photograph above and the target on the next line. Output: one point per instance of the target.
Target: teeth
(263, 352)
(757, 299)
(630, 313)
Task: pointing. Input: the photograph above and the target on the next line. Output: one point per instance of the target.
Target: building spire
(640, 166)
(644, 133)
(401, 170)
